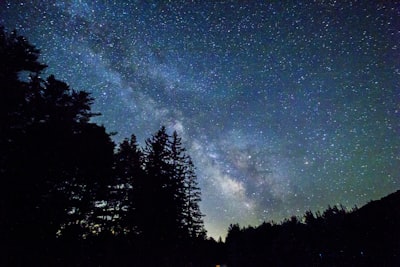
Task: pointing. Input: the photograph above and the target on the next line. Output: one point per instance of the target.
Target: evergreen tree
(87, 183)
(193, 215)
(188, 193)
(126, 190)
(53, 160)
(17, 55)
(158, 196)
(179, 165)
(174, 192)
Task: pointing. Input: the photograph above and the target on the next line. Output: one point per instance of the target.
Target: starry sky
(284, 106)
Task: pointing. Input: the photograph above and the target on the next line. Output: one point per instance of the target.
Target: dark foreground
(368, 236)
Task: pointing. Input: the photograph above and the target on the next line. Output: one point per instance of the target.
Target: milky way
(284, 107)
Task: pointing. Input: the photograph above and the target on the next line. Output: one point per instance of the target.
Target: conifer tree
(171, 183)
(126, 189)
(193, 215)
(188, 193)
(157, 195)
(53, 160)
(178, 163)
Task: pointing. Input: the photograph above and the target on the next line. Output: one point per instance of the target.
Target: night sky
(285, 106)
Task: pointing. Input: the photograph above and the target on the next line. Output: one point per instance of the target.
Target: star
(283, 106)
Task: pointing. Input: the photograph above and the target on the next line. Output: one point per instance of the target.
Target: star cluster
(283, 106)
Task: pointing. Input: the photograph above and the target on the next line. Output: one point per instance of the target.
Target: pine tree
(178, 163)
(172, 183)
(193, 215)
(188, 193)
(126, 188)
(93, 153)
(53, 161)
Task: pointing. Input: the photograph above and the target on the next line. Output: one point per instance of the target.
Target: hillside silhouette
(369, 236)
(70, 196)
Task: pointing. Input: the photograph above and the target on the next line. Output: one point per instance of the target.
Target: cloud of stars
(283, 106)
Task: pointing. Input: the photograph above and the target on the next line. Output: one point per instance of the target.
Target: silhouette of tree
(155, 206)
(193, 216)
(309, 218)
(19, 194)
(92, 150)
(177, 161)
(187, 193)
(53, 160)
(127, 189)
(66, 193)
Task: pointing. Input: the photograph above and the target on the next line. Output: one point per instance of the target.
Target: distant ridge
(390, 201)
(386, 209)
(367, 236)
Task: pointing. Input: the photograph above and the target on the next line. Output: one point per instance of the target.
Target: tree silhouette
(53, 160)
(193, 216)
(127, 189)
(187, 192)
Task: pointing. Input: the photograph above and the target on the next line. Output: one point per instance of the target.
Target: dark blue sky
(283, 106)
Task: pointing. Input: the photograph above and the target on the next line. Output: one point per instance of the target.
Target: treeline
(369, 236)
(69, 196)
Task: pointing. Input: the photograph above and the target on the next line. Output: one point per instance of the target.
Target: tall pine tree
(158, 190)
(187, 192)
(126, 190)
(193, 216)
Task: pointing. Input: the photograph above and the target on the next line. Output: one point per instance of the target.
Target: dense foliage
(66, 188)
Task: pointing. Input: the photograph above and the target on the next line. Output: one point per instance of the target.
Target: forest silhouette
(70, 196)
